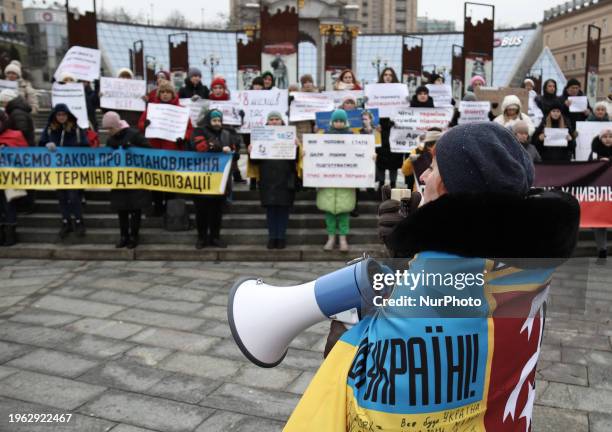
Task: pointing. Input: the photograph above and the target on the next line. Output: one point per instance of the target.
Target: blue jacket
(63, 136)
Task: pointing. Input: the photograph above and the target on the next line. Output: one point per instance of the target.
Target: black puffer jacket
(19, 118)
(189, 90)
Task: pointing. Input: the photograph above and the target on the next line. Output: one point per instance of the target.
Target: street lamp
(212, 61)
(376, 64)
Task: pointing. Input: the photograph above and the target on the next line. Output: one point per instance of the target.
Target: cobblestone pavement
(145, 346)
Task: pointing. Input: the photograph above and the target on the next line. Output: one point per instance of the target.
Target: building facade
(428, 25)
(565, 30)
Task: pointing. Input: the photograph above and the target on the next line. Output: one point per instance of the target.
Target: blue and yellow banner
(105, 168)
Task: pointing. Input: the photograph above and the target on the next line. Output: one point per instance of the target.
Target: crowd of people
(277, 181)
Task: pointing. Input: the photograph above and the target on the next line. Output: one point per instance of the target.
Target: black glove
(391, 213)
(180, 142)
(147, 123)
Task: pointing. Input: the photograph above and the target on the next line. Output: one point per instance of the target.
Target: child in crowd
(521, 129)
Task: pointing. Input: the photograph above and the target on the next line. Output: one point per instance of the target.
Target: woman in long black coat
(128, 203)
(386, 160)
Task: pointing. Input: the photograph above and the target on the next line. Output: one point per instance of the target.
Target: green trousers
(337, 224)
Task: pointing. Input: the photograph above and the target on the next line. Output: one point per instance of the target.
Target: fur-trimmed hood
(543, 224)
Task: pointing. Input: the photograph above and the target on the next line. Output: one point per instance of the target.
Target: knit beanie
(166, 74)
(273, 114)
(216, 114)
(604, 131)
(125, 71)
(111, 120)
(483, 157)
(194, 71)
(529, 81)
(469, 97)
(572, 82)
(12, 67)
(477, 78)
(7, 95)
(422, 89)
(217, 81)
(339, 115)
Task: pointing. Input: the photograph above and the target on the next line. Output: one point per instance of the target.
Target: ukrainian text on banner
(589, 182)
(104, 168)
(122, 94)
(82, 62)
(257, 104)
(342, 161)
(388, 98)
(412, 123)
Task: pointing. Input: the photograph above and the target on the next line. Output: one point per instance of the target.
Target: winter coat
(27, 92)
(337, 200)
(414, 103)
(128, 199)
(60, 135)
(371, 369)
(19, 118)
(546, 101)
(593, 118)
(554, 153)
(189, 90)
(277, 182)
(386, 160)
(502, 120)
(533, 152)
(601, 150)
(12, 138)
(93, 102)
(160, 143)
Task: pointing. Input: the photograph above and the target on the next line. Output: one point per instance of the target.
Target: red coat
(13, 138)
(160, 143)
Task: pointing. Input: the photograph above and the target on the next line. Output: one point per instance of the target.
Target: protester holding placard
(337, 203)
(573, 89)
(211, 136)
(193, 88)
(277, 186)
(600, 113)
(421, 98)
(520, 129)
(601, 149)
(347, 81)
(268, 80)
(160, 77)
(63, 131)
(549, 97)
(512, 113)
(128, 203)
(92, 101)
(420, 158)
(12, 72)
(476, 82)
(555, 120)
(131, 117)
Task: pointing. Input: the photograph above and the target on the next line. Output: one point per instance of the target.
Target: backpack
(176, 217)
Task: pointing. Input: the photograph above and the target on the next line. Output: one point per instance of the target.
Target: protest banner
(555, 137)
(587, 131)
(578, 104)
(442, 94)
(83, 63)
(195, 108)
(355, 119)
(122, 94)
(73, 95)
(273, 142)
(496, 97)
(104, 168)
(8, 85)
(589, 182)
(306, 105)
(168, 122)
(338, 96)
(472, 112)
(412, 123)
(388, 98)
(343, 161)
(257, 104)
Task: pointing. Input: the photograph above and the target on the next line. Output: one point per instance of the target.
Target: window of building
(604, 56)
(584, 30)
(604, 25)
(566, 34)
(547, 40)
(565, 64)
(575, 34)
(573, 63)
(582, 59)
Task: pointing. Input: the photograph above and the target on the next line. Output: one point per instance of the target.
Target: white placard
(555, 137)
(472, 112)
(412, 123)
(83, 63)
(195, 108)
(168, 122)
(305, 105)
(122, 94)
(338, 96)
(388, 98)
(6, 84)
(535, 113)
(578, 104)
(230, 109)
(587, 131)
(442, 94)
(257, 104)
(273, 142)
(73, 95)
(342, 161)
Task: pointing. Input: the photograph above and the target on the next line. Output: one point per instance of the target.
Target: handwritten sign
(555, 137)
(442, 94)
(273, 142)
(257, 104)
(411, 124)
(83, 63)
(168, 122)
(306, 105)
(343, 161)
(122, 94)
(73, 95)
(388, 98)
(472, 112)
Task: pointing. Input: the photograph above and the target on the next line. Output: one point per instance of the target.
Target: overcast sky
(508, 12)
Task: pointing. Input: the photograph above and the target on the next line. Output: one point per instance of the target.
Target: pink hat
(477, 78)
(111, 120)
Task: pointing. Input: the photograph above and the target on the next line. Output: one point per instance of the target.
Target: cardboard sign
(73, 95)
(257, 104)
(496, 97)
(305, 105)
(83, 63)
(388, 98)
(122, 94)
(273, 142)
(342, 161)
(472, 112)
(442, 94)
(587, 131)
(413, 123)
(555, 137)
(168, 122)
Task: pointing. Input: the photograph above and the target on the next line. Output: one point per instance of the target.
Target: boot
(133, 242)
(123, 242)
(65, 229)
(202, 242)
(271, 244)
(10, 235)
(218, 243)
(79, 228)
(281, 244)
(134, 231)
(331, 241)
(344, 247)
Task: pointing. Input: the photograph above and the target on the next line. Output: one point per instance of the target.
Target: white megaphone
(264, 319)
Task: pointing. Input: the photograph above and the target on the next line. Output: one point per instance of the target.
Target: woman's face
(422, 97)
(573, 90)
(195, 80)
(218, 90)
(349, 105)
(161, 78)
(255, 87)
(367, 121)
(434, 187)
(12, 76)
(61, 117)
(555, 114)
(275, 121)
(511, 111)
(308, 86)
(338, 124)
(606, 139)
(600, 112)
(528, 86)
(439, 81)
(551, 88)
(347, 78)
(166, 96)
(388, 76)
(477, 85)
(267, 81)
